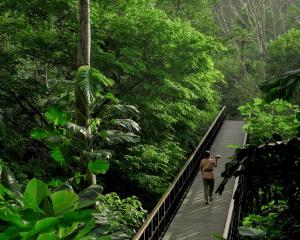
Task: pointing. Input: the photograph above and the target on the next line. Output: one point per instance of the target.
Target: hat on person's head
(206, 154)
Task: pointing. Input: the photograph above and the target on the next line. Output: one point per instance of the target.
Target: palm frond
(127, 124)
(125, 108)
(76, 128)
(91, 81)
(115, 136)
(284, 87)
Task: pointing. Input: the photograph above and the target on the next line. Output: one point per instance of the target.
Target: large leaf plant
(45, 214)
(109, 123)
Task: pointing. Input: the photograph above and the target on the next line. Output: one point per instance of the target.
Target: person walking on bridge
(207, 166)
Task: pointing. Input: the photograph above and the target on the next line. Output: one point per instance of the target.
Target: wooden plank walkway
(195, 220)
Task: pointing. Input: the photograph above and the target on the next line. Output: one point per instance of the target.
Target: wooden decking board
(195, 220)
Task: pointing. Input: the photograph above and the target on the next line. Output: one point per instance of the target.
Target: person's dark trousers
(208, 188)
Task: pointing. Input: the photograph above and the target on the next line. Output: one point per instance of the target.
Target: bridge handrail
(234, 211)
(155, 225)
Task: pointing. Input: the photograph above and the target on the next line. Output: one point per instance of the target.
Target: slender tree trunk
(81, 100)
(178, 3)
(84, 45)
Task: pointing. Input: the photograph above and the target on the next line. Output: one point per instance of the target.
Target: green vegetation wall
(164, 67)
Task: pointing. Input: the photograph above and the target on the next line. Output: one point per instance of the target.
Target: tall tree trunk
(81, 100)
(178, 3)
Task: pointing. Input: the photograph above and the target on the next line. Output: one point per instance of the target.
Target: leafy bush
(153, 167)
(271, 219)
(284, 53)
(125, 215)
(45, 214)
(269, 172)
(265, 119)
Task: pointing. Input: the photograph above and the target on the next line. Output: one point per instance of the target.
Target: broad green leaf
(89, 196)
(253, 233)
(91, 81)
(85, 230)
(31, 214)
(40, 226)
(76, 129)
(115, 136)
(111, 97)
(257, 101)
(47, 236)
(57, 155)
(67, 231)
(126, 108)
(10, 233)
(47, 207)
(98, 166)
(56, 116)
(36, 190)
(12, 218)
(64, 201)
(78, 216)
(39, 134)
(55, 183)
(127, 124)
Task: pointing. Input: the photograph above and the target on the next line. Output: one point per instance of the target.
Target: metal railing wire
(160, 218)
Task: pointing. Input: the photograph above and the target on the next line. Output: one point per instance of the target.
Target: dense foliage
(283, 54)
(265, 119)
(269, 173)
(155, 75)
(159, 71)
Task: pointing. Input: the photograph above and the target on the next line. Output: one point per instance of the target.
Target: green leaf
(76, 129)
(111, 97)
(127, 124)
(56, 116)
(105, 238)
(40, 226)
(126, 108)
(115, 136)
(12, 218)
(31, 214)
(57, 155)
(36, 190)
(78, 216)
(87, 228)
(253, 233)
(216, 236)
(91, 81)
(47, 236)
(39, 134)
(10, 233)
(64, 201)
(257, 101)
(89, 196)
(233, 146)
(98, 166)
(55, 183)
